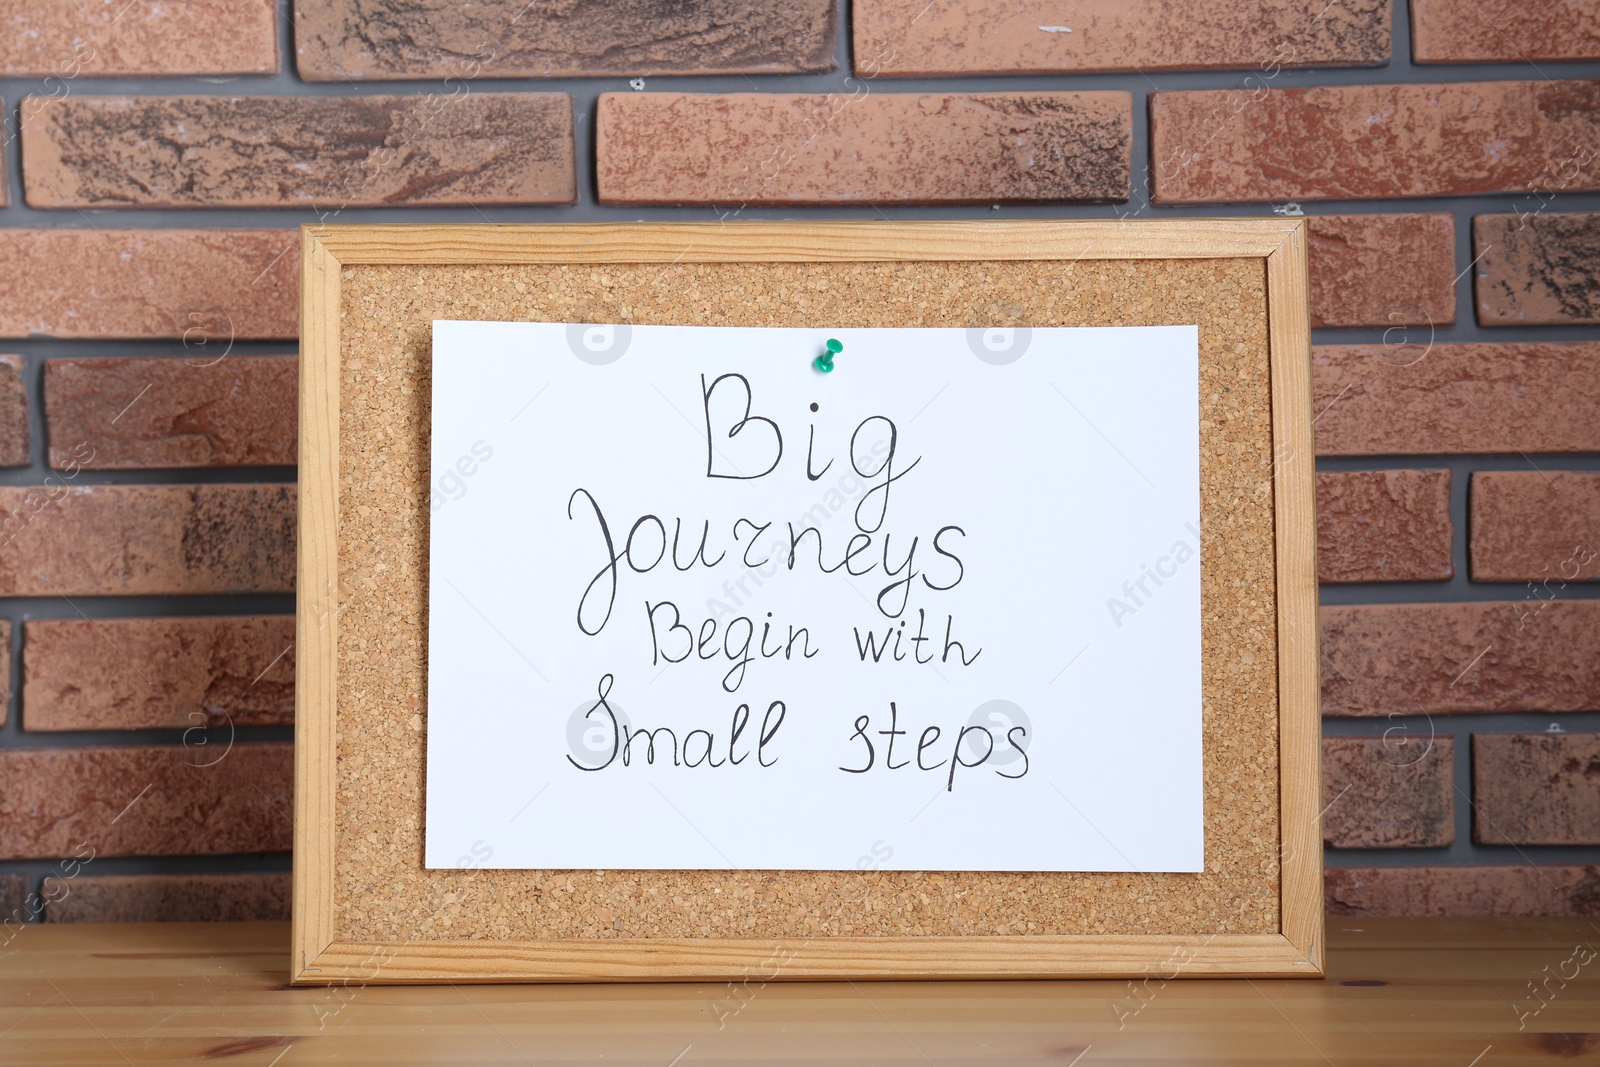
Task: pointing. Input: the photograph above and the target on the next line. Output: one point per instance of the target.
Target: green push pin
(824, 362)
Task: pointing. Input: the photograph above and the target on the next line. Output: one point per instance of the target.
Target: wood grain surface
(1399, 991)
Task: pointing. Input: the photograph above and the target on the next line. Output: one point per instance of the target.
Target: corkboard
(375, 899)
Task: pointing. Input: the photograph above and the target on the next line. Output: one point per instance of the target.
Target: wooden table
(1399, 991)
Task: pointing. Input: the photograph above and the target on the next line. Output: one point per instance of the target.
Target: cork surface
(382, 891)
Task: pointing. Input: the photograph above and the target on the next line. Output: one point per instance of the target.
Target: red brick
(1424, 398)
(190, 284)
(913, 38)
(14, 437)
(1383, 526)
(1536, 789)
(111, 540)
(154, 898)
(90, 38)
(904, 148)
(13, 901)
(1537, 270)
(1433, 892)
(1382, 270)
(166, 412)
(1404, 659)
(282, 151)
(1393, 791)
(1502, 31)
(128, 674)
(1535, 526)
(345, 40)
(1351, 142)
(145, 801)
(5, 670)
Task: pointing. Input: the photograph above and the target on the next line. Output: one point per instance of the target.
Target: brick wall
(158, 156)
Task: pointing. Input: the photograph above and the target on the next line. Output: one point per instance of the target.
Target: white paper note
(695, 604)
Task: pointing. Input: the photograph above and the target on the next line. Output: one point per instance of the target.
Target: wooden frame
(1280, 245)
